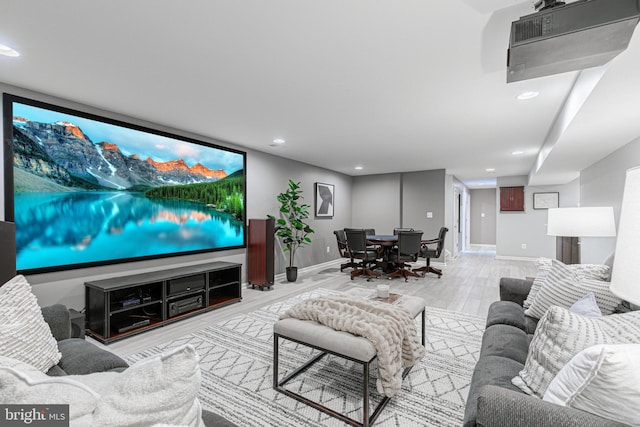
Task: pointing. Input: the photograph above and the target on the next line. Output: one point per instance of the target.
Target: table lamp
(569, 224)
(626, 264)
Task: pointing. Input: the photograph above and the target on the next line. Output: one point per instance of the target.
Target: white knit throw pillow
(24, 335)
(561, 334)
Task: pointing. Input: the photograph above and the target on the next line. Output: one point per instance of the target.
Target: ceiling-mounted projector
(568, 37)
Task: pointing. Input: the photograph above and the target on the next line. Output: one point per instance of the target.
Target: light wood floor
(469, 284)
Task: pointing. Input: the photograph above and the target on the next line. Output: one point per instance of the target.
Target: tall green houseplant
(292, 228)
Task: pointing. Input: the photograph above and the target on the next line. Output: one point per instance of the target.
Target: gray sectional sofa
(493, 400)
(80, 357)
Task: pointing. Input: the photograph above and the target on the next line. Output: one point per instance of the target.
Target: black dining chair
(432, 249)
(397, 230)
(343, 249)
(407, 250)
(357, 247)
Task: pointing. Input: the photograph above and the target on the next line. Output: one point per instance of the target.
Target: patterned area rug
(236, 358)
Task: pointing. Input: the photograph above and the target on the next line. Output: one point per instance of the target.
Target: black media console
(123, 306)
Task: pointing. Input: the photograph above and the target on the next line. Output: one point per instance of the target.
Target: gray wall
(376, 202)
(602, 184)
(513, 229)
(483, 216)
(424, 192)
(267, 175)
(387, 201)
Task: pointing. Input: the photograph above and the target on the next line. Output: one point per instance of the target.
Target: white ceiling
(390, 85)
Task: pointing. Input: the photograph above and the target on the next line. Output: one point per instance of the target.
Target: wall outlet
(524, 246)
(328, 249)
(429, 214)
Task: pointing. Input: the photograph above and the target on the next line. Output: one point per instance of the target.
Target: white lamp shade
(581, 222)
(625, 277)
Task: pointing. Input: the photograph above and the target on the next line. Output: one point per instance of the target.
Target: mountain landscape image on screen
(82, 197)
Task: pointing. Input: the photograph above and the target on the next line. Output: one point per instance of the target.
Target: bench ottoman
(338, 343)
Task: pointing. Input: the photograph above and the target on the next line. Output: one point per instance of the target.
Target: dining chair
(397, 230)
(432, 252)
(343, 249)
(367, 232)
(407, 250)
(357, 247)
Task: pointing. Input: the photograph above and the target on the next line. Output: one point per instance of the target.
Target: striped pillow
(563, 286)
(587, 271)
(560, 335)
(543, 265)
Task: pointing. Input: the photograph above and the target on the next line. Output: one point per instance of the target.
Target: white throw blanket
(390, 328)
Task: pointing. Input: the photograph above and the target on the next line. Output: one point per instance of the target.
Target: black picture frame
(109, 205)
(546, 200)
(325, 200)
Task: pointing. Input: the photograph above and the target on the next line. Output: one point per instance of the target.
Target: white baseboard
(517, 258)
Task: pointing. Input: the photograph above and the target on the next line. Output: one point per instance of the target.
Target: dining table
(386, 242)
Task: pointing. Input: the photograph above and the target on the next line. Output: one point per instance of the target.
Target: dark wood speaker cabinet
(260, 267)
(8, 258)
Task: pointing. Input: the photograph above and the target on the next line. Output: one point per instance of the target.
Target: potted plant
(292, 228)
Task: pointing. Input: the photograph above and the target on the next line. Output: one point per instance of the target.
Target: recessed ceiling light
(359, 168)
(490, 169)
(7, 51)
(528, 95)
(517, 153)
(277, 142)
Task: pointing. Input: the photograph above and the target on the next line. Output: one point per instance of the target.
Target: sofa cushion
(505, 313)
(214, 420)
(80, 357)
(510, 313)
(603, 380)
(490, 370)
(563, 287)
(24, 335)
(57, 317)
(561, 335)
(505, 341)
(56, 371)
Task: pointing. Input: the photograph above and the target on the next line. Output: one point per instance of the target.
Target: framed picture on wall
(545, 200)
(325, 198)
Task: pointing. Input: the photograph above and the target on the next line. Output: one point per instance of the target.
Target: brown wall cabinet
(511, 199)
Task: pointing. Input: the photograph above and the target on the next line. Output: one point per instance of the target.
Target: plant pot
(292, 274)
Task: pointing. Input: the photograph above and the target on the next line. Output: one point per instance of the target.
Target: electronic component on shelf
(129, 302)
(128, 323)
(185, 284)
(184, 305)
